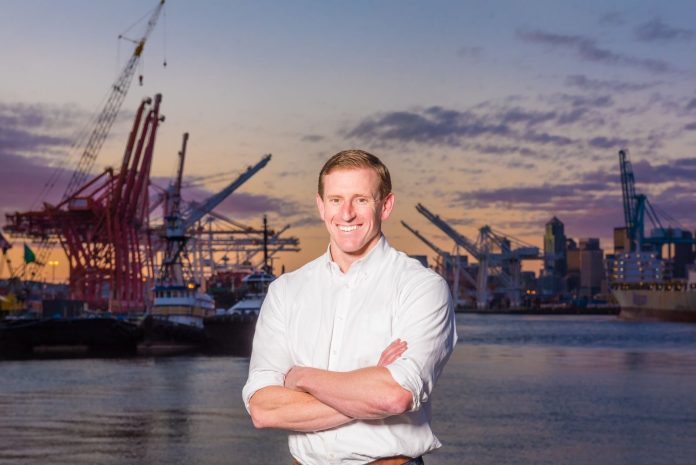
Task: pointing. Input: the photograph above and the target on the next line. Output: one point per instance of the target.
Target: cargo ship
(644, 289)
(669, 301)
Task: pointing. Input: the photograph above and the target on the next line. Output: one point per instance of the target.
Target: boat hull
(231, 334)
(654, 304)
(68, 336)
(163, 336)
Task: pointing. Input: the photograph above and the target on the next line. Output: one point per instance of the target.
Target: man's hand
(392, 352)
(389, 355)
(292, 376)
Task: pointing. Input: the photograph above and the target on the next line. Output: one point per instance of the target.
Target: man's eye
(335, 201)
(361, 201)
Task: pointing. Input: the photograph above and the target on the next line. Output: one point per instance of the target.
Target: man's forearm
(367, 393)
(280, 407)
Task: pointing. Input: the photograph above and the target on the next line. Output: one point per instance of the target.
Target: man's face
(353, 212)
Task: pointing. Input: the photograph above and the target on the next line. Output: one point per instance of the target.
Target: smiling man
(348, 348)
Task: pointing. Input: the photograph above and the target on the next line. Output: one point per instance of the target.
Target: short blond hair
(354, 159)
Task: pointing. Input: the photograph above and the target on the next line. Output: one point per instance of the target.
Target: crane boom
(106, 118)
(198, 211)
(435, 248)
(458, 238)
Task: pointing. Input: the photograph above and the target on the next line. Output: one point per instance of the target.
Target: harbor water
(517, 390)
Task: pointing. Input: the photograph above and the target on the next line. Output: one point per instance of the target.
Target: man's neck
(346, 260)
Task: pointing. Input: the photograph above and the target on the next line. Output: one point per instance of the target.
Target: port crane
(103, 225)
(449, 266)
(179, 226)
(495, 257)
(108, 114)
(91, 144)
(636, 207)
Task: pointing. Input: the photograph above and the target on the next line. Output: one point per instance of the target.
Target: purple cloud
(587, 50)
(608, 142)
(24, 179)
(656, 30)
(603, 85)
(432, 125)
(243, 205)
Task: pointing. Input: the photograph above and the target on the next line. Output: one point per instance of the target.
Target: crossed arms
(314, 400)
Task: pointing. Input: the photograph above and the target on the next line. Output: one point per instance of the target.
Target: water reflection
(516, 391)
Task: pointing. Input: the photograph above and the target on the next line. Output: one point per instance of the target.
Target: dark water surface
(518, 390)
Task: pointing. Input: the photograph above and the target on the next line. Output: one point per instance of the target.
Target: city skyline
(505, 114)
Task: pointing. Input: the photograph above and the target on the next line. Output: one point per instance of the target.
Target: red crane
(93, 140)
(103, 225)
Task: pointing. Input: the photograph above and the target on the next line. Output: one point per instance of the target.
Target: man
(348, 348)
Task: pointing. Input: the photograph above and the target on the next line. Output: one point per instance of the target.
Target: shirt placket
(343, 303)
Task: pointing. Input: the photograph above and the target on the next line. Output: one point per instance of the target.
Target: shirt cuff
(405, 373)
(260, 381)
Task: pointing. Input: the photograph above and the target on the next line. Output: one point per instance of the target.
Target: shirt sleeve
(426, 322)
(270, 357)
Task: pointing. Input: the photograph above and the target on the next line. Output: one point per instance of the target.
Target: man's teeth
(348, 228)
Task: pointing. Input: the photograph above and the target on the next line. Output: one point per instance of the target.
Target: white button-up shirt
(320, 317)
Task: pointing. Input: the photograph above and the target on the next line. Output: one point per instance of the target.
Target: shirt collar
(364, 265)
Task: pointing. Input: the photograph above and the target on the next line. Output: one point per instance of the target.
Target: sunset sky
(504, 113)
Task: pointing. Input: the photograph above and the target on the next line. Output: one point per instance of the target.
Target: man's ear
(388, 206)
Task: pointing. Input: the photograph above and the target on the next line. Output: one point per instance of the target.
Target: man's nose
(347, 210)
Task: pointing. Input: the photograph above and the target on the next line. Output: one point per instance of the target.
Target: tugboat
(174, 323)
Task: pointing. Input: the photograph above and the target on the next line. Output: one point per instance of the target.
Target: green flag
(29, 256)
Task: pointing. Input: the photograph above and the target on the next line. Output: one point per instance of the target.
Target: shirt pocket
(373, 335)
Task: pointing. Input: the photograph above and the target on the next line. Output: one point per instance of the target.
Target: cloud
(601, 85)
(34, 142)
(21, 140)
(545, 138)
(37, 128)
(677, 170)
(586, 49)
(432, 125)
(591, 206)
(657, 31)
(528, 117)
(312, 138)
(608, 142)
(542, 195)
(587, 208)
(437, 125)
(243, 205)
(24, 179)
(690, 126)
(680, 170)
(40, 115)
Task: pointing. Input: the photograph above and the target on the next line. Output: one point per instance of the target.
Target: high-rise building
(590, 262)
(551, 281)
(555, 248)
(622, 244)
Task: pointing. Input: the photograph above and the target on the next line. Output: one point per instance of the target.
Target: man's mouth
(350, 228)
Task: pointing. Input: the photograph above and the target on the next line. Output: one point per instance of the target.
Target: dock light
(191, 285)
(53, 264)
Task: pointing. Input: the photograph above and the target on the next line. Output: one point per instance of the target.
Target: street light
(53, 264)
